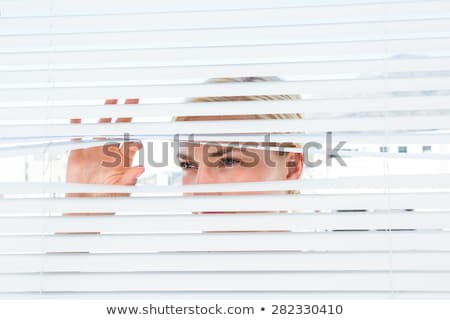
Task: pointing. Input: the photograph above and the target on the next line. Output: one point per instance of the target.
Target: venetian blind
(374, 74)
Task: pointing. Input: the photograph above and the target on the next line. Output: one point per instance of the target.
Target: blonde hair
(251, 98)
(248, 98)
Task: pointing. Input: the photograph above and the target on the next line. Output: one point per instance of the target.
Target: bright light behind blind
(373, 75)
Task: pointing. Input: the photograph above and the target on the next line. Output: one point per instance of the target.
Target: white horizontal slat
(68, 146)
(405, 181)
(225, 18)
(227, 261)
(437, 200)
(64, 147)
(395, 155)
(393, 137)
(22, 150)
(226, 108)
(187, 74)
(222, 281)
(227, 37)
(149, 110)
(346, 51)
(229, 241)
(249, 295)
(319, 87)
(367, 138)
(84, 7)
(118, 129)
(384, 124)
(432, 137)
(48, 8)
(234, 222)
(36, 188)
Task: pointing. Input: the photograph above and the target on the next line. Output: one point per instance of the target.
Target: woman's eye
(187, 165)
(229, 162)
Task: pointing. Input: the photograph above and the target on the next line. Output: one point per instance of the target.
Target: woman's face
(205, 163)
(202, 164)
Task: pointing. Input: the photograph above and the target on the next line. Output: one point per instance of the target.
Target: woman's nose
(204, 175)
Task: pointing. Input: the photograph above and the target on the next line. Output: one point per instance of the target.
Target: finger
(103, 120)
(129, 150)
(106, 120)
(131, 175)
(132, 101)
(75, 121)
(128, 101)
(111, 101)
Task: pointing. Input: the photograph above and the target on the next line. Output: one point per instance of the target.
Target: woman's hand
(88, 165)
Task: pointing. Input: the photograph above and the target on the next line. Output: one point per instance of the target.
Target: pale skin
(84, 165)
(211, 164)
(200, 165)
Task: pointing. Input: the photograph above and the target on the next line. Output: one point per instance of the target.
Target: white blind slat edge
(227, 261)
(228, 240)
(419, 181)
(225, 18)
(228, 126)
(328, 87)
(235, 222)
(214, 203)
(236, 281)
(366, 31)
(139, 57)
(47, 112)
